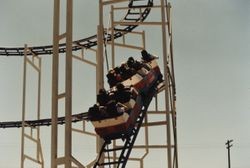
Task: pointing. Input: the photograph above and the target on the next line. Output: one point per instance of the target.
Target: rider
(146, 56)
(103, 97)
(123, 93)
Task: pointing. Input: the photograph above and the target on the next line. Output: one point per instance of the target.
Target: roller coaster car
(139, 74)
(145, 77)
(117, 110)
(118, 115)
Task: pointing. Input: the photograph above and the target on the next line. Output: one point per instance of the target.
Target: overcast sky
(212, 66)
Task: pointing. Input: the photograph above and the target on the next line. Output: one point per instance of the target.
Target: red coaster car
(115, 114)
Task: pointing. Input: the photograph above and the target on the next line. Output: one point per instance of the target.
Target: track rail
(128, 143)
(42, 122)
(92, 40)
(61, 120)
(88, 42)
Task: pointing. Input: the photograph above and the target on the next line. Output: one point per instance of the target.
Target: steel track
(88, 42)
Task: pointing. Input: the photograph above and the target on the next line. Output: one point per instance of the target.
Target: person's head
(130, 61)
(120, 86)
(117, 70)
(144, 53)
(102, 91)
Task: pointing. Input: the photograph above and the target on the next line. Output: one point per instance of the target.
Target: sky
(211, 54)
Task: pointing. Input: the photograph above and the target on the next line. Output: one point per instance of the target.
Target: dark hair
(144, 53)
(130, 61)
(120, 86)
(102, 90)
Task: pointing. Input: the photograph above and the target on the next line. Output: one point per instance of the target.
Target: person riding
(103, 97)
(123, 94)
(93, 112)
(134, 64)
(126, 71)
(114, 76)
(146, 56)
(111, 108)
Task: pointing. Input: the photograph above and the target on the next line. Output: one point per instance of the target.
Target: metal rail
(125, 151)
(42, 122)
(89, 41)
(61, 120)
